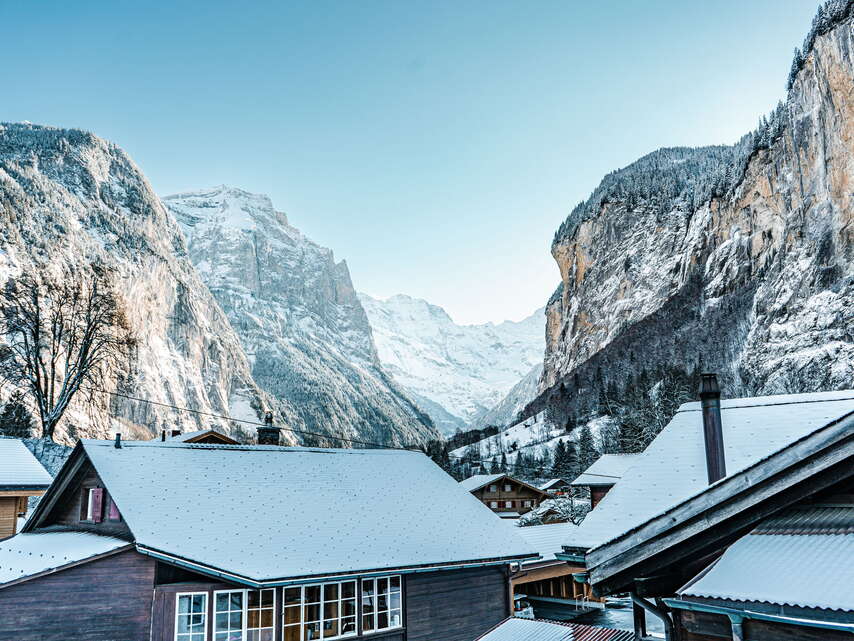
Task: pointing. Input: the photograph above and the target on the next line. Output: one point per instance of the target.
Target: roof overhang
(704, 524)
(225, 575)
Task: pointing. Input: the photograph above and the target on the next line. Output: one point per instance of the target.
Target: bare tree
(63, 338)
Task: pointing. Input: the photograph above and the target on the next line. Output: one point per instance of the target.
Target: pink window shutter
(114, 511)
(98, 504)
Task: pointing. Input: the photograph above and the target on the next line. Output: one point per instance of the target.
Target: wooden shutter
(114, 511)
(97, 504)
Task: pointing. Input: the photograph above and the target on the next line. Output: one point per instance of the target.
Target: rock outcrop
(737, 259)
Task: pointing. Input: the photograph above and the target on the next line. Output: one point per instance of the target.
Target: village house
(556, 487)
(506, 496)
(600, 477)
(209, 436)
(21, 476)
(736, 523)
(170, 541)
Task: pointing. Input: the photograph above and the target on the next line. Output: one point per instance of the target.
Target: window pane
(312, 594)
(330, 592)
(382, 586)
(312, 631)
(348, 589)
(221, 636)
(183, 604)
(330, 610)
(268, 597)
(395, 618)
(253, 619)
(267, 618)
(221, 621)
(394, 600)
(312, 613)
(200, 602)
(348, 625)
(236, 620)
(183, 624)
(266, 635)
(348, 608)
(292, 633)
(292, 615)
(330, 628)
(367, 587)
(395, 583)
(222, 602)
(382, 620)
(367, 622)
(253, 599)
(292, 596)
(382, 602)
(237, 600)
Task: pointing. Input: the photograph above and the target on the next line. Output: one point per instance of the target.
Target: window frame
(322, 603)
(206, 613)
(493, 505)
(244, 610)
(508, 505)
(493, 487)
(374, 580)
(508, 487)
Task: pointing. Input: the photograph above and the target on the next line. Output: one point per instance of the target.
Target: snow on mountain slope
(297, 316)
(465, 369)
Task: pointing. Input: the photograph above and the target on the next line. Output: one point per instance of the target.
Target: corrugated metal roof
(477, 481)
(18, 466)
(549, 539)
(821, 519)
(803, 570)
(673, 467)
(516, 629)
(24, 555)
(267, 512)
(607, 469)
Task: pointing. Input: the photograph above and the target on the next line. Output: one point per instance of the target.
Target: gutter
(737, 616)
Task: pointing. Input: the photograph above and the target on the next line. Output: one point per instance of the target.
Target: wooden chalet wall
(106, 600)
(597, 493)
(518, 494)
(8, 515)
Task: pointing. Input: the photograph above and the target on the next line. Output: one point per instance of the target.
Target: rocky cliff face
(458, 373)
(69, 198)
(297, 316)
(738, 260)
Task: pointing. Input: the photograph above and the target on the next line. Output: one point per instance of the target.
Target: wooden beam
(22, 492)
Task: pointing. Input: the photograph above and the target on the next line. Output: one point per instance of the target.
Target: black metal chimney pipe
(710, 402)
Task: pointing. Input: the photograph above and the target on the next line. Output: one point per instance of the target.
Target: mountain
(458, 373)
(69, 199)
(735, 259)
(297, 316)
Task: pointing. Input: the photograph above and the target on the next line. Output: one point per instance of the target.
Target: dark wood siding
(456, 605)
(597, 494)
(8, 515)
(68, 508)
(106, 600)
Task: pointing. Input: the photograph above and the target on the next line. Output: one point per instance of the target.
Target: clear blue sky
(434, 145)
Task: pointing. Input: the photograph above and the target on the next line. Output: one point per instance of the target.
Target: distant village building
(506, 496)
(171, 541)
(556, 487)
(737, 522)
(600, 477)
(209, 436)
(21, 476)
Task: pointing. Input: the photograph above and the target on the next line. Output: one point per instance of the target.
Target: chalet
(170, 541)
(556, 487)
(736, 523)
(21, 476)
(210, 436)
(600, 477)
(504, 495)
(540, 630)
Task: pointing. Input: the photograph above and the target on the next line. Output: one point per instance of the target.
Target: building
(737, 522)
(540, 630)
(600, 477)
(504, 495)
(21, 476)
(168, 541)
(210, 436)
(556, 487)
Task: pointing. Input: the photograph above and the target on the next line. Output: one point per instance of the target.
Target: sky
(436, 146)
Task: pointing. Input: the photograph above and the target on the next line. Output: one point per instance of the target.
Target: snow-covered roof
(477, 481)
(515, 629)
(607, 470)
(265, 513)
(24, 555)
(673, 467)
(549, 539)
(552, 483)
(19, 467)
(803, 559)
(189, 436)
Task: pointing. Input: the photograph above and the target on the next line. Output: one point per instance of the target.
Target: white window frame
(493, 488)
(493, 505)
(527, 504)
(508, 487)
(245, 611)
(508, 504)
(178, 596)
(302, 623)
(90, 505)
(376, 629)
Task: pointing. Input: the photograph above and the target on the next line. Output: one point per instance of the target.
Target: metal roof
(477, 481)
(268, 513)
(548, 539)
(24, 555)
(607, 470)
(515, 629)
(18, 466)
(803, 570)
(673, 467)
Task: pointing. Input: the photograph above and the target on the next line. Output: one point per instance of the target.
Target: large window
(244, 615)
(320, 611)
(191, 616)
(381, 604)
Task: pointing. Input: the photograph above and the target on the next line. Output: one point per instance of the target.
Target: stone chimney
(268, 434)
(710, 402)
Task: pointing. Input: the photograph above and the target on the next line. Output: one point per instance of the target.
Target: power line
(239, 420)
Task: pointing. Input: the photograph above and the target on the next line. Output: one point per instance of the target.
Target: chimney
(268, 435)
(710, 402)
(118, 441)
(175, 433)
(162, 435)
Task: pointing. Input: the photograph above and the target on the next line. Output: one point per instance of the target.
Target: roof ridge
(684, 408)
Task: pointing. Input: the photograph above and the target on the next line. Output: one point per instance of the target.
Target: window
(91, 504)
(527, 504)
(493, 504)
(191, 616)
(493, 488)
(320, 611)
(508, 503)
(508, 487)
(381, 604)
(244, 615)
